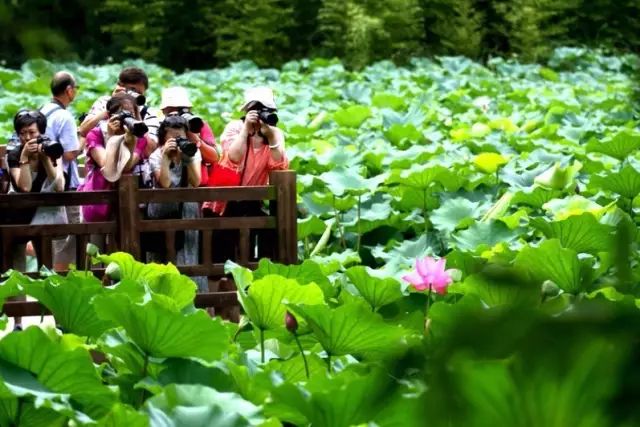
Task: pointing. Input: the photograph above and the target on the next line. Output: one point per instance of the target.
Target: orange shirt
(259, 163)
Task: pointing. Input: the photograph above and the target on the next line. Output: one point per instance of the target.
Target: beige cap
(175, 97)
(263, 95)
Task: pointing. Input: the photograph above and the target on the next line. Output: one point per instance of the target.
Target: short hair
(60, 81)
(117, 102)
(26, 117)
(173, 121)
(134, 75)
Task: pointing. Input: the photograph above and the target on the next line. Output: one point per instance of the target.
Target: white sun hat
(262, 94)
(175, 97)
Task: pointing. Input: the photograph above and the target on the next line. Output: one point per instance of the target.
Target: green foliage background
(203, 34)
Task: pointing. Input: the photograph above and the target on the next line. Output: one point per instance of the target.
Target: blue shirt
(61, 127)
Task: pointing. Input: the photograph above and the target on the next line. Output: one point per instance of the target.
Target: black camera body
(187, 147)
(195, 122)
(268, 116)
(52, 149)
(140, 99)
(136, 127)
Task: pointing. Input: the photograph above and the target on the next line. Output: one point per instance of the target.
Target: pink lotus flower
(430, 274)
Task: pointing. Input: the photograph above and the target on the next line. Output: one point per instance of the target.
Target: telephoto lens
(140, 99)
(53, 149)
(136, 127)
(268, 116)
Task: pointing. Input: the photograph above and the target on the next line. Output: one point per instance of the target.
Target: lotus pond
(523, 178)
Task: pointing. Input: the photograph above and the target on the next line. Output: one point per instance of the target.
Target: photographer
(252, 147)
(111, 149)
(175, 163)
(35, 166)
(175, 100)
(132, 81)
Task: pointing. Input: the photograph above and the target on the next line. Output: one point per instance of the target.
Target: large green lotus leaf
(619, 146)
(573, 205)
(57, 369)
(558, 177)
(453, 212)
(293, 369)
(13, 286)
(582, 233)
(340, 182)
(418, 176)
(550, 261)
(625, 182)
(376, 291)
(310, 226)
(489, 162)
(126, 356)
(129, 268)
(388, 100)
(484, 233)
(196, 405)
(307, 272)
(534, 198)
(124, 415)
(398, 132)
(264, 301)
(242, 276)
(162, 332)
(188, 371)
(351, 329)
(29, 415)
(410, 199)
(352, 116)
(177, 288)
(500, 286)
(343, 400)
(337, 261)
(68, 298)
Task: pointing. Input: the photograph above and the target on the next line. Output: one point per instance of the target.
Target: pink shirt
(259, 163)
(94, 180)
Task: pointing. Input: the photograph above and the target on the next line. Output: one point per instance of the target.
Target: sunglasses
(28, 113)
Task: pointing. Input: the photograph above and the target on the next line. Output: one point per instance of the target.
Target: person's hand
(169, 147)
(193, 137)
(266, 130)
(114, 126)
(29, 149)
(251, 121)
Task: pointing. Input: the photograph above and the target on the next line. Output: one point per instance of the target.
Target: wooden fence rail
(125, 231)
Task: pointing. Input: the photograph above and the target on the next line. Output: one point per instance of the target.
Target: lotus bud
(92, 250)
(290, 322)
(113, 271)
(550, 289)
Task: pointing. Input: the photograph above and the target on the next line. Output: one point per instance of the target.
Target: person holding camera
(35, 166)
(175, 100)
(175, 163)
(112, 148)
(252, 147)
(132, 81)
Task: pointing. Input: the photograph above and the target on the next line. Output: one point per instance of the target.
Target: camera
(136, 127)
(52, 149)
(140, 99)
(268, 116)
(187, 147)
(195, 122)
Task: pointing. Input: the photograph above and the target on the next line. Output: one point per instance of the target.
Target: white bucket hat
(175, 97)
(263, 95)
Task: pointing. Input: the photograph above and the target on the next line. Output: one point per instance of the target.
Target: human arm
(235, 135)
(95, 148)
(96, 114)
(19, 165)
(206, 145)
(54, 173)
(193, 169)
(275, 141)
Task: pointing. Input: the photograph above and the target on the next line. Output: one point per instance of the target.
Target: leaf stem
(426, 313)
(145, 368)
(304, 358)
(261, 345)
(338, 216)
(424, 212)
(359, 229)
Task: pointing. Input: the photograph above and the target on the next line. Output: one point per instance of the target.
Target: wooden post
(128, 216)
(286, 215)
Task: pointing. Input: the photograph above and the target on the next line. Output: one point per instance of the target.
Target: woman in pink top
(101, 162)
(253, 146)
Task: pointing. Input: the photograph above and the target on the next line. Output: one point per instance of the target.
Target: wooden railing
(125, 230)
